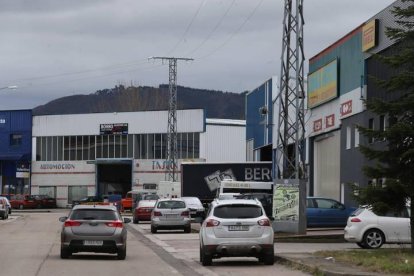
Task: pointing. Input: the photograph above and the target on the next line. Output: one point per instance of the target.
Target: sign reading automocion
(57, 167)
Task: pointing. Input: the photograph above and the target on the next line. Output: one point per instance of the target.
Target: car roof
(170, 199)
(146, 203)
(98, 207)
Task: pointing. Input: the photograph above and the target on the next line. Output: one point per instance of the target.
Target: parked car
(23, 202)
(170, 214)
(46, 201)
(7, 203)
(234, 228)
(93, 228)
(369, 230)
(265, 198)
(228, 196)
(88, 199)
(197, 210)
(143, 211)
(326, 212)
(4, 208)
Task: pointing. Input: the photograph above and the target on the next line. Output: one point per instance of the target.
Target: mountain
(217, 104)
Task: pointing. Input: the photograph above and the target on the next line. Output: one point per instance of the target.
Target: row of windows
(371, 125)
(137, 146)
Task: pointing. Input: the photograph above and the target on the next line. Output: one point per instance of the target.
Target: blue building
(15, 151)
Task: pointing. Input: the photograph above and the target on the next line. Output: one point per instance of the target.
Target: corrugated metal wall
(15, 122)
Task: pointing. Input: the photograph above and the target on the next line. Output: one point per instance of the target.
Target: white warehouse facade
(79, 155)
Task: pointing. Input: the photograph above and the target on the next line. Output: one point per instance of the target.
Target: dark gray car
(90, 228)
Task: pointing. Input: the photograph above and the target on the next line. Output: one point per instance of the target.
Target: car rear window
(173, 204)
(93, 214)
(238, 211)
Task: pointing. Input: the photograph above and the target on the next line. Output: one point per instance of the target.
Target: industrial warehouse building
(77, 155)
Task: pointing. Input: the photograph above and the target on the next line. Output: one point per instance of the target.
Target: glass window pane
(124, 146)
(117, 146)
(55, 148)
(99, 148)
(72, 148)
(79, 147)
(38, 148)
(144, 146)
(105, 146)
(59, 148)
(185, 145)
(111, 142)
(196, 145)
(130, 146)
(91, 147)
(49, 148)
(157, 146)
(164, 146)
(85, 147)
(44, 151)
(66, 148)
(150, 146)
(137, 148)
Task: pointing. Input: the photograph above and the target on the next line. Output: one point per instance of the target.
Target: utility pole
(289, 155)
(171, 157)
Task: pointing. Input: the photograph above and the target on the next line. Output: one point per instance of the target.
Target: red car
(143, 211)
(24, 202)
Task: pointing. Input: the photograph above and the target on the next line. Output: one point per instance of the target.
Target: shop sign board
(119, 128)
(323, 84)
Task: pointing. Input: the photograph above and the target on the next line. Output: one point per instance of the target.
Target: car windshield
(93, 214)
(235, 211)
(192, 201)
(171, 204)
(151, 197)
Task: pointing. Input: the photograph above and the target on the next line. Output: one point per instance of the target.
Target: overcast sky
(56, 48)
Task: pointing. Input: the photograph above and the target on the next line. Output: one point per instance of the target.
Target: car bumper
(111, 244)
(171, 224)
(352, 234)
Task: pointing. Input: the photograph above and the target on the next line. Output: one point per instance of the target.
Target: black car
(87, 199)
(264, 198)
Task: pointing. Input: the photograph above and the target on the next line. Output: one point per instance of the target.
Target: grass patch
(385, 260)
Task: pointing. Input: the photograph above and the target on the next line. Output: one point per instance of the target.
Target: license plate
(171, 216)
(238, 228)
(93, 243)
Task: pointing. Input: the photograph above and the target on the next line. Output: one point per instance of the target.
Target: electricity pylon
(171, 157)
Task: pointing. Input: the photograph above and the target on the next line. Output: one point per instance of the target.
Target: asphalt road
(30, 245)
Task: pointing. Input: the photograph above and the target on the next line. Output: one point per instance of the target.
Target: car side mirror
(63, 219)
(127, 220)
(272, 218)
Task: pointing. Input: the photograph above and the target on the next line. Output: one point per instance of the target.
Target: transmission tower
(290, 143)
(171, 157)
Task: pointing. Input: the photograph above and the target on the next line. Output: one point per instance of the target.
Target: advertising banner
(286, 202)
(323, 84)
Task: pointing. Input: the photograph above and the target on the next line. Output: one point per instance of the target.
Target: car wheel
(206, 259)
(65, 253)
(153, 229)
(21, 206)
(373, 239)
(187, 229)
(121, 253)
(269, 257)
(362, 245)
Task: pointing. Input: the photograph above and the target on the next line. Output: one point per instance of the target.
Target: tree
(394, 161)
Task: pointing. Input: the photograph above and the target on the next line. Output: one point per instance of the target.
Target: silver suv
(235, 228)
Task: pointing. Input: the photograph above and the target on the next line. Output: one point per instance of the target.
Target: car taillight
(141, 210)
(212, 223)
(355, 220)
(264, 222)
(185, 214)
(157, 214)
(115, 224)
(72, 223)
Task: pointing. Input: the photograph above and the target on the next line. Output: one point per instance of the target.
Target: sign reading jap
(330, 120)
(317, 125)
(346, 108)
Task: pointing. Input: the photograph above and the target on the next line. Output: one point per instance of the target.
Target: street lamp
(13, 87)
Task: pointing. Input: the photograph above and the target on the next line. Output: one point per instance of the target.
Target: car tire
(65, 253)
(361, 245)
(153, 229)
(121, 254)
(269, 257)
(187, 229)
(373, 239)
(206, 259)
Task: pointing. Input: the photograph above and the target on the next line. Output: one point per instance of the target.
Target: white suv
(234, 228)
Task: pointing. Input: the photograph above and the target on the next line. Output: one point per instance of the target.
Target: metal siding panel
(225, 143)
(17, 122)
(138, 122)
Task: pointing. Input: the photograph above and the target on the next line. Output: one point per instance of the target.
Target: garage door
(327, 165)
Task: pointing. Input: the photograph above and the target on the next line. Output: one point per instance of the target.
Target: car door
(331, 212)
(396, 227)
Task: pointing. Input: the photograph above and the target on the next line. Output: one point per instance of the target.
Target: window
(16, 140)
(348, 137)
(371, 126)
(235, 211)
(356, 133)
(382, 124)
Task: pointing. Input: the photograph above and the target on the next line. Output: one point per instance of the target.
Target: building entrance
(114, 178)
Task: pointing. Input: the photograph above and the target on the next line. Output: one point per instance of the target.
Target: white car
(235, 228)
(370, 231)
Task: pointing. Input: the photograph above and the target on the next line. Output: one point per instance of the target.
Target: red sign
(330, 120)
(317, 125)
(346, 108)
